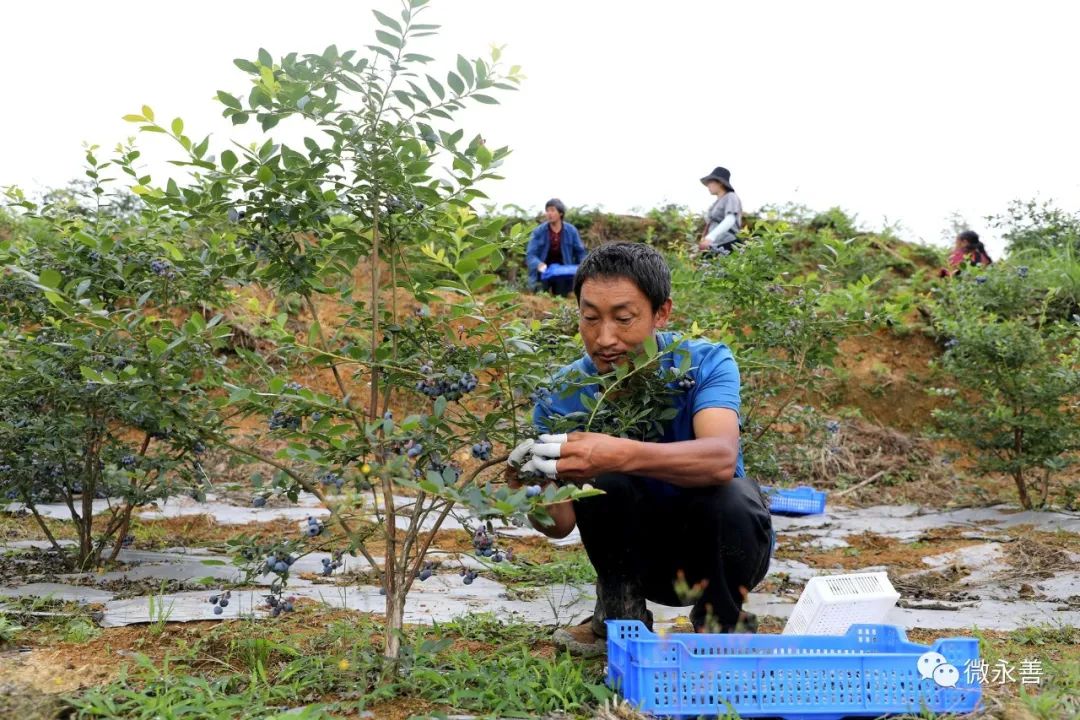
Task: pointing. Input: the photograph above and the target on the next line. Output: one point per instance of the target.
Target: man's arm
(708, 460)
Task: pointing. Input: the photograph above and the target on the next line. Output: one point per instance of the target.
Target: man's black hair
(637, 262)
(558, 205)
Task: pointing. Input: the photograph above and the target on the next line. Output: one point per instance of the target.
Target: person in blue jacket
(554, 241)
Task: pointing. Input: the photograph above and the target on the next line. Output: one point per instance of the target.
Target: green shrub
(1013, 377)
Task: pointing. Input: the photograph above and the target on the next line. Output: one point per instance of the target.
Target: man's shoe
(581, 640)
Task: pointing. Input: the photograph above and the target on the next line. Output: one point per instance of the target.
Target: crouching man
(676, 511)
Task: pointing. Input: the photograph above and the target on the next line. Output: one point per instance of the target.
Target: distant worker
(554, 242)
(968, 250)
(724, 218)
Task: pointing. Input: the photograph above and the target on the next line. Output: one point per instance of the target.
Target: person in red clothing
(554, 242)
(968, 250)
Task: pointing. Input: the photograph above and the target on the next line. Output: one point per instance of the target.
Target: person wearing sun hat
(724, 218)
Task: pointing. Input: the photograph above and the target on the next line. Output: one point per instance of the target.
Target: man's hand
(578, 456)
(704, 245)
(541, 267)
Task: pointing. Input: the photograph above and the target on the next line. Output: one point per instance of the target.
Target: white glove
(545, 455)
(517, 455)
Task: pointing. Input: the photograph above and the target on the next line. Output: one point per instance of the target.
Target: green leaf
(246, 65)
(436, 87)
(148, 113)
(212, 562)
(91, 374)
(440, 406)
(177, 126)
(157, 346)
(50, 278)
(228, 160)
(265, 175)
(388, 39)
(229, 100)
(465, 68)
(650, 346)
(455, 83)
(387, 20)
(265, 58)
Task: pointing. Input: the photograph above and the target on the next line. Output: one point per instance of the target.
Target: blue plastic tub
(795, 501)
(871, 671)
(558, 270)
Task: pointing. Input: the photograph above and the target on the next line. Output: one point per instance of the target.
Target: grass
(572, 568)
(260, 669)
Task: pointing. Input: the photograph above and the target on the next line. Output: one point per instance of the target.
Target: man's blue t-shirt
(716, 386)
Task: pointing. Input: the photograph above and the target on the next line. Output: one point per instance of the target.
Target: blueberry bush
(1011, 375)
(108, 355)
(365, 229)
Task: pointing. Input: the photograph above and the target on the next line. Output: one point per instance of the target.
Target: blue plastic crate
(795, 501)
(558, 270)
(871, 671)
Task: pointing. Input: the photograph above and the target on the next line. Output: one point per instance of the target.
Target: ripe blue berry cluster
(329, 565)
(414, 449)
(832, 427)
(452, 386)
(281, 420)
(220, 601)
(279, 565)
(332, 478)
(128, 461)
(532, 491)
(279, 605)
(482, 450)
(426, 571)
(686, 383)
(314, 528)
(467, 576)
(162, 268)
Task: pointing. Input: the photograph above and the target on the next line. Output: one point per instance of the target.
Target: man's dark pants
(639, 540)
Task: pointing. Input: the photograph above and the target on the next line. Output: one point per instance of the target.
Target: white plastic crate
(829, 605)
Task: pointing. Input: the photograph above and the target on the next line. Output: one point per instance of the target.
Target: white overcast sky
(896, 111)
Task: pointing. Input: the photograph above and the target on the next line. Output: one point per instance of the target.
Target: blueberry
(218, 610)
(1022, 271)
(832, 426)
(532, 491)
(128, 461)
(271, 559)
(326, 561)
(426, 369)
(281, 568)
(234, 215)
(981, 279)
(287, 606)
(258, 501)
(388, 415)
(467, 580)
(213, 599)
(415, 450)
(224, 602)
(424, 574)
(275, 611)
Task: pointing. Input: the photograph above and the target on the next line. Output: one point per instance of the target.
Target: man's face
(552, 214)
(616, 319)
